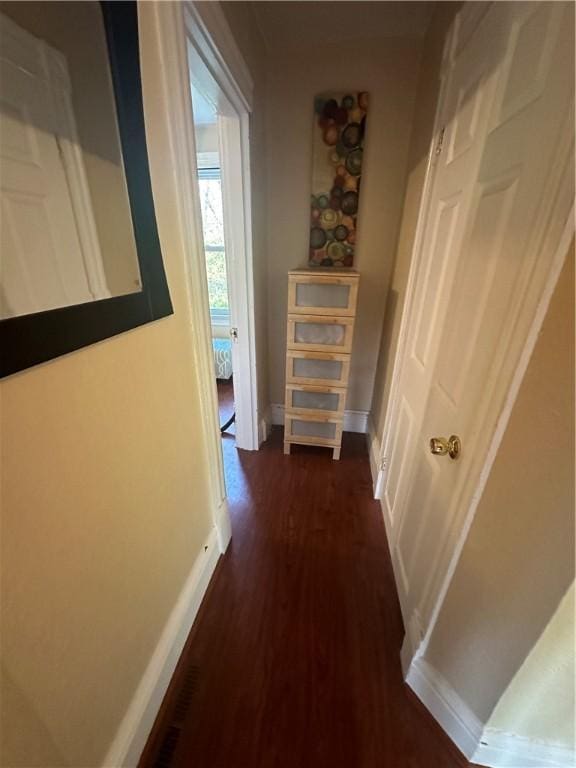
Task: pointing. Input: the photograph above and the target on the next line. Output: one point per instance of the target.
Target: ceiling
(290, 24)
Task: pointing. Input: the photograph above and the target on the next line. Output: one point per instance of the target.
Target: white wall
(388, 70)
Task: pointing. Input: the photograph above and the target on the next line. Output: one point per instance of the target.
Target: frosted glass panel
(313, 429)
(324, 401)
(331, 370)
(318, 295)
(319, 333)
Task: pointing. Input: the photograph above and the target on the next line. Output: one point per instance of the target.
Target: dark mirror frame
(32, 339)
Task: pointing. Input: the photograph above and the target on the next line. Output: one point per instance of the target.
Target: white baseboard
(374, 452)
(498, 749)
(481, 745)
(137, 723)
(444, 704)
(354, 421)
(276, 414)
(265, 424)
(412, 638)
(223, 525)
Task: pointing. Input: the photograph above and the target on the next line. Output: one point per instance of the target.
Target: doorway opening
(208, 161)
(221, 122)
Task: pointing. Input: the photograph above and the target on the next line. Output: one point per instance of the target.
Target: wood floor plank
(297, 642)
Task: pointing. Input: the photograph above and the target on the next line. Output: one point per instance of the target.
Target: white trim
(236, 196)
(442, 701)
(412, 638)
(265, 426)
(375, 454)
(213, 39)
(354, 421)
(498, 749)
(169, 31)
(216, 66)
(137, 723)
(481, 745)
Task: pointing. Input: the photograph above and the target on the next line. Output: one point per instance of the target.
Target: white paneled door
(496, 210)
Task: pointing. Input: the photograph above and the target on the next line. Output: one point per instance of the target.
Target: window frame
(218, 315)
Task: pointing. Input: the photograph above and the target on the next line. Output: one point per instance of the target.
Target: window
(213, 226)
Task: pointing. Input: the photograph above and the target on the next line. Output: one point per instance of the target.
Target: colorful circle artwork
(329, 217)
(336, 251)
(341, 232)
(317, 238)
(339, 134)
(354, 162)
(351, 136)
(349, 204)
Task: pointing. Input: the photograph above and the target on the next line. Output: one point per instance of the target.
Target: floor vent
(185, 695)
(169, 741)
(167, 748)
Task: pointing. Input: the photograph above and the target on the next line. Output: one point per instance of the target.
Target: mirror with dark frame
(80, 257)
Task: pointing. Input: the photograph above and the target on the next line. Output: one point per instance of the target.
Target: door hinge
(383, 463)
(234, 334)
(440, 142)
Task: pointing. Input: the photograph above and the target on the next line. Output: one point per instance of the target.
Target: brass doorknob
(440, 446)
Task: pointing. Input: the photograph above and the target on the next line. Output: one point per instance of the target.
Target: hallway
(293, 660)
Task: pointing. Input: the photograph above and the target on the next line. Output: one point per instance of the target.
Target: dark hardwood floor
(293, 661)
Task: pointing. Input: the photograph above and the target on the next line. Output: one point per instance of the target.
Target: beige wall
(388, 70)
(240, 17)
(518, 559)
(539, 702)
(421, 135)
(104, 509)
(76, 29)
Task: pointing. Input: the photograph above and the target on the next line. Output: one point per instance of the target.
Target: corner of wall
(442, 701)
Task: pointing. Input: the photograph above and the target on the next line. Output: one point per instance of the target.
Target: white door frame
(172, 39)
(557, 233)
(216, 58)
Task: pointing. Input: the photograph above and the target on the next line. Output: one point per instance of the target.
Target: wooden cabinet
(321, 314)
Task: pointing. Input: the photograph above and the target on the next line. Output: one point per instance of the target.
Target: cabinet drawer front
(316, 400)
(316, 295)
(317, 368)
(330, 334)
(309, 431)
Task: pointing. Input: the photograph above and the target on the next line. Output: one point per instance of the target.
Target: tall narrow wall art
(339, 130)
